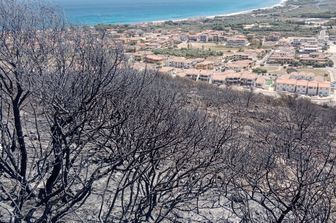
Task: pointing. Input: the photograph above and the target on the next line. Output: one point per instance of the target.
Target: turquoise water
(91, 12)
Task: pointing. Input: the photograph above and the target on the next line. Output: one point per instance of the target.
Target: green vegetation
(259, 70)
(189, 53)
(324, 15)
(291, 70)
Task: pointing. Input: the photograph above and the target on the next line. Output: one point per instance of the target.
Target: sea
(93, 12)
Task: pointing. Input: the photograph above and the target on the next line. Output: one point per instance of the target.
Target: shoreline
(282, 3)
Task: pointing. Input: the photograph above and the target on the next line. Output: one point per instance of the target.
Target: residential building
(248, 79)
(308, 48)
(205, 65)
(314, 59)
(312, 88)
(261, 82)
(238, 41)
(179, 73)
(324, 89)
(232, 78)
(302, 76)
(239, 65)
(166, 70)
(137, 56)
(273, 37)
(286, 85)
(140, 66)
(218, 78)
(238, 56)
(302, 87)
(204, 75)
(332, 38)
(153, 59)
(192, 38)
(203, 38)
(180, 62)
(282, 55)
(192, 74)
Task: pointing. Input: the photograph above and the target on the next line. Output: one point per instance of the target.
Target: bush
(190, 53)
(259, 70)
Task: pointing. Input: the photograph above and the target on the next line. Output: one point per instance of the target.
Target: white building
(238, 56)
(301, 87)
(232, 77)
(180, 62)
(286, 85)
(248, 79)
(324, 89)
(312, 88)
(192, 74)
(218, 78)
(261, 82)
(239, 41)
(204, 75)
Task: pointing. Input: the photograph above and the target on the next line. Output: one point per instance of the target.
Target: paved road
(264, 60)
(323, 34)
(332, 70)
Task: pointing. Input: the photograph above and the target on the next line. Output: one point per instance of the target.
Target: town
(272, 64)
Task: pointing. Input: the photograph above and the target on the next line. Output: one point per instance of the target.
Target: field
(319, 72)
(206, 46)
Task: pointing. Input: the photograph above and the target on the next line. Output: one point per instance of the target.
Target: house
(332, 38)
(203, 38)
(214, 38)
(140, 66)
(192, 74)
(282, 55)
(192, 38)
(273, 37)
(204, 75)
(153, 45)
(238, 41)
(137, 56)
(286, 85)
(302, 87)
(179, 73)
(166, 70)
(302, 76)
(248, 79)
(261, 82)
(180, 62)
(307, 48)
(238, 56)
(205, 65)
(153, 59)
(232, 78)
(239, 65)
(184, 37)
(218, 78)
(314, 59)
(300, 41)
(324, 89)
(312, 88)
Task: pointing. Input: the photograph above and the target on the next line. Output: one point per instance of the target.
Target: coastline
(282, 3)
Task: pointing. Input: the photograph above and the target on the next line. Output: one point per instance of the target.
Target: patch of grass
(189, 53)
